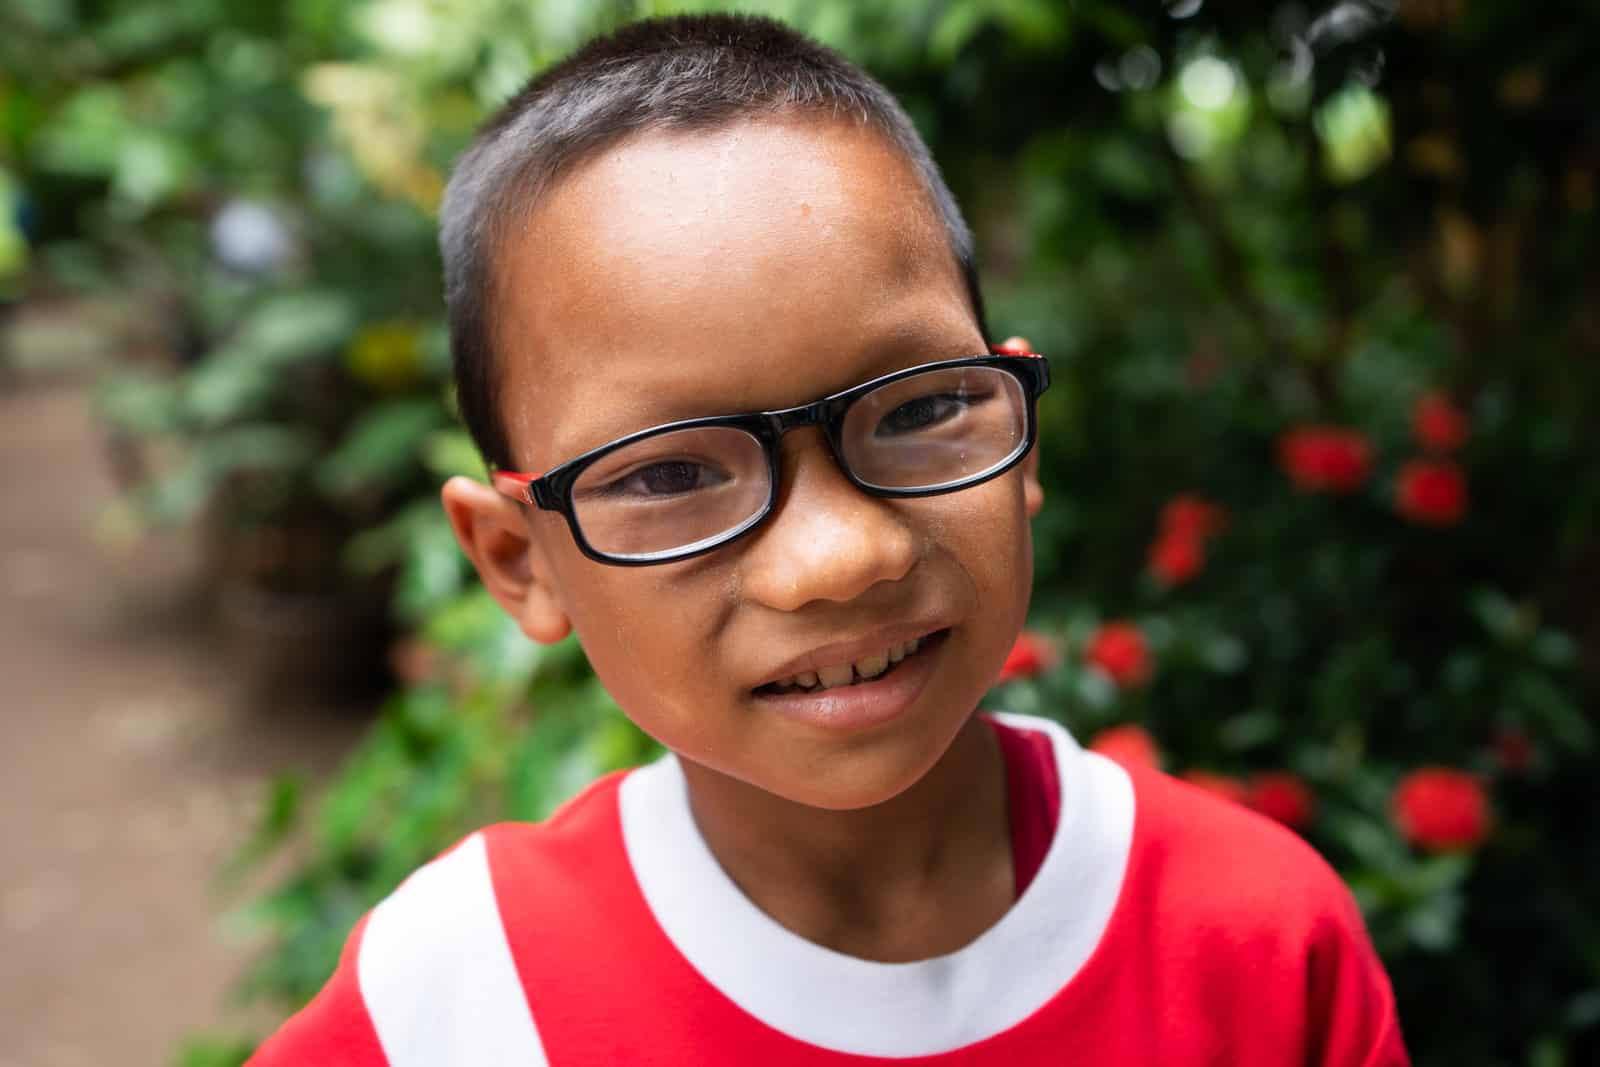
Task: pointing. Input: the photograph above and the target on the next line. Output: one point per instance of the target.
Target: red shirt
(1033, 796)
(1160, 925)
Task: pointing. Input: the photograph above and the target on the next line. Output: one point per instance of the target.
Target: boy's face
(752, 268)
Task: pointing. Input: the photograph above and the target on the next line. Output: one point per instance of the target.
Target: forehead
(683, 274)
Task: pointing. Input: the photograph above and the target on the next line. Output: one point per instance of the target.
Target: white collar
(868, 1008)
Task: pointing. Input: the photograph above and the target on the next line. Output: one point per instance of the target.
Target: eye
(922, 413)
(666, 478)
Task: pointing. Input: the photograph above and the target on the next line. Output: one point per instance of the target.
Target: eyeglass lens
(680, 490)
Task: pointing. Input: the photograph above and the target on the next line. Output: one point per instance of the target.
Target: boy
(688, 222)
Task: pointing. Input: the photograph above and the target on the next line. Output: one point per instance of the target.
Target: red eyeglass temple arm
(515, 485)
(1014, 346)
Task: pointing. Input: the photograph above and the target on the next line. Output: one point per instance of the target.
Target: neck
(918, 875)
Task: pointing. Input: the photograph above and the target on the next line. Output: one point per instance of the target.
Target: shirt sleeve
(1351, 1016)
(334, 1030)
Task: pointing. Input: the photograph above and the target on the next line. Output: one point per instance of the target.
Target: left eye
(921, 414)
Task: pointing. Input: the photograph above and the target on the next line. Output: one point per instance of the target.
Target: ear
(493, 532)
(1032, 491)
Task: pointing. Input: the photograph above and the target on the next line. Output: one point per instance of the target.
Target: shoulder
(1224, 852)
(443, 918)
(429, 976)
(1232, 869)
(1253, 914)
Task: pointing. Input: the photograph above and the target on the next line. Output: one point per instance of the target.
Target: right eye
(664, 478)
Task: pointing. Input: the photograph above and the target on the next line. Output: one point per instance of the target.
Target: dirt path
(133, 754)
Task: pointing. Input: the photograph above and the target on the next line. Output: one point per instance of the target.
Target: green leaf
(140, 404)
(1555, 649)
(1497, 614)
(210, 1051)
(1583, 1010)
(280, 815)
(956, 26)
(1560, 716)
(466, 620)
(260, 447)
(151, 168)
(1438, 874)
(1252, 729)
(451, 452)
(381, 449)
(387, 544)
(531, 789)
(227, 386)
(86, 134)
(432, 570)
(290, 328)
(178, 495)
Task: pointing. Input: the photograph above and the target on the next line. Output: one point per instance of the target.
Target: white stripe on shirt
(436, 973)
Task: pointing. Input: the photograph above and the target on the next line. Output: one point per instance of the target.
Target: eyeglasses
(685, 488)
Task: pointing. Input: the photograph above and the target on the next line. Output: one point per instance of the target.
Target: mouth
(895, 658)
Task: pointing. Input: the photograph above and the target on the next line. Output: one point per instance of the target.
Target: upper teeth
(846, 673)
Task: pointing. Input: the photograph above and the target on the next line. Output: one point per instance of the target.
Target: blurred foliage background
(1318, 285)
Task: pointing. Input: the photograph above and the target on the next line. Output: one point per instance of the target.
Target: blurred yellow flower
(13, 246)
(386, 355)
(378, 115)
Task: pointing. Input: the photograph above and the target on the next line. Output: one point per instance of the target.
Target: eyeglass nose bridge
(817, 413)
(827, 414)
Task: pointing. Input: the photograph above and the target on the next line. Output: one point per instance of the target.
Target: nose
(826, 539)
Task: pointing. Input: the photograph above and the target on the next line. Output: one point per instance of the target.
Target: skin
(756, 267)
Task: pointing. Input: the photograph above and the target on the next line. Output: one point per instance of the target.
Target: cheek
(985, 534)
(988, 533)
(651, 641)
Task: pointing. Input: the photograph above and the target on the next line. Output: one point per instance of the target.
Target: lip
(864, 704)
(841, 652)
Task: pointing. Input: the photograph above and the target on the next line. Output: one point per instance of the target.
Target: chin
(868, 795)
(865, 781)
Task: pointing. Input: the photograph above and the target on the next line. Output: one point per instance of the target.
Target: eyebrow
(907, 341)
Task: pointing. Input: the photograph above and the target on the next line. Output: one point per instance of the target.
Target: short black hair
(694, 72)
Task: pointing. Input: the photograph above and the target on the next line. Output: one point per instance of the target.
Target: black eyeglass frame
(552, 491)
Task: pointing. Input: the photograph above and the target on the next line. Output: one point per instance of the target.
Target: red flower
(1513, 751)
(1438, 808)
(1176, 557)
(1190, 515)
(1219, 784)
(1131, 746)
(1438, 424)
(1014, 346)
(1325, 458)
(1119, 649)
(1433, 492)
(1178, 552)
(1282, 796)
(1032, 654)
